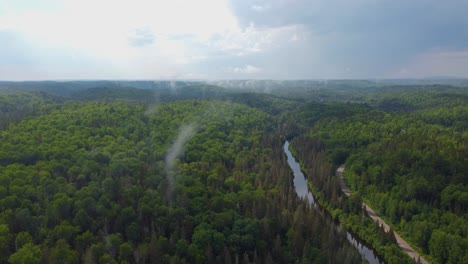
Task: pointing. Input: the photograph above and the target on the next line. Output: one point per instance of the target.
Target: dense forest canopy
(407, 157)
(190, 172)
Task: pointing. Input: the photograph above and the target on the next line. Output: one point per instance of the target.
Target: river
(302, 190)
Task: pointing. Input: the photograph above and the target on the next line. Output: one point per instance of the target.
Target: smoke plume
(176, 150)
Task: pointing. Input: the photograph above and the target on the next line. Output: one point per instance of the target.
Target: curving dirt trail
(401, 243)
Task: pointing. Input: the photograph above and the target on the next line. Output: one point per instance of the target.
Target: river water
(302, 190)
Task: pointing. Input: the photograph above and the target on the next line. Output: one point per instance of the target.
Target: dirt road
(401, 243)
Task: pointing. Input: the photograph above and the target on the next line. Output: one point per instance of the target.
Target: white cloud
(247, 69)
(146, 37)
(253, 39)
(200, 18)
(103, 27)
(294, 38)
(259, 8)
(141, 38)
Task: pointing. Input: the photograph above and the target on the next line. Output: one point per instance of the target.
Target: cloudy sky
(237, 39)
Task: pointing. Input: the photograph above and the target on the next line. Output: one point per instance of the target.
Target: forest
(406, 157)
(193, 172)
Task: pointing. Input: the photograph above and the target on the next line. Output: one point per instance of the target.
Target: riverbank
(304, 192)
(400, 241)
(328, 195)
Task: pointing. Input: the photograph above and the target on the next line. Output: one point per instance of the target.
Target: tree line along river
(302, 190)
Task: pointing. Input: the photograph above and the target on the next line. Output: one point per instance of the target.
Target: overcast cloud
(238, 39)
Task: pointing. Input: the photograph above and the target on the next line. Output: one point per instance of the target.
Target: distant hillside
(278, 87)
(67, 88)
(113, 94)
(16, 106)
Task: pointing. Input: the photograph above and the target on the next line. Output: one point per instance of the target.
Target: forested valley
(187, 172)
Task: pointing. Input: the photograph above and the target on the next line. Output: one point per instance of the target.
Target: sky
(236, 39)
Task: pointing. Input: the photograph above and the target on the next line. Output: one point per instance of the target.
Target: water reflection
(300, 182)
(300, 185)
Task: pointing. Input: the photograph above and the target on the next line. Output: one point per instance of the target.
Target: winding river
(300, 185)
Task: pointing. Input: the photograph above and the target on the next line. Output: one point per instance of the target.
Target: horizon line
(247, 79)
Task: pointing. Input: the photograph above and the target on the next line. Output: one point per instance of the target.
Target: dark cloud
(367, 36)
